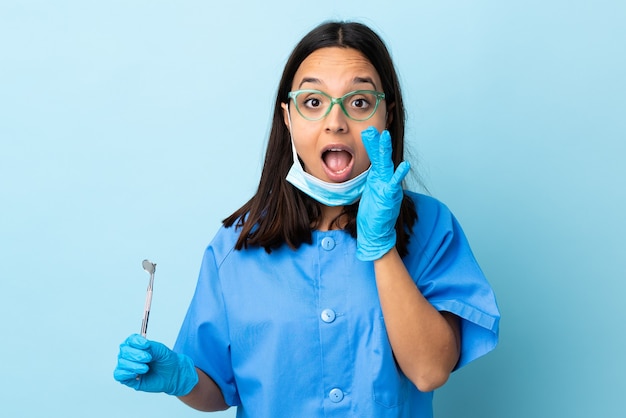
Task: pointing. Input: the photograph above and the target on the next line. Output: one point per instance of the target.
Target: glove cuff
(374, 252)
(188, 376)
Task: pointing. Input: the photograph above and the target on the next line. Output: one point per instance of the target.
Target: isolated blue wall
(130, 129)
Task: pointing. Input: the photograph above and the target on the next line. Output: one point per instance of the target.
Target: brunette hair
(281, 214)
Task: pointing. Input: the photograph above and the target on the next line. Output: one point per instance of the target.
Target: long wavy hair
(281, 214)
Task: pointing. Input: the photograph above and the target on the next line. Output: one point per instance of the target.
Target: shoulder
(431, 212)
(435, 225)
(223, 243)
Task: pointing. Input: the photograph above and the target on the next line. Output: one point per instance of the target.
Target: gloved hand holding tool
(159, 368)
(150, 366)
(381, 199)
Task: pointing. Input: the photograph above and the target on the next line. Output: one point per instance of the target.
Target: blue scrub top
(300, 333)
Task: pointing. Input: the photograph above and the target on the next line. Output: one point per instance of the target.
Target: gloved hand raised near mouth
(381, 199)
(150, 366)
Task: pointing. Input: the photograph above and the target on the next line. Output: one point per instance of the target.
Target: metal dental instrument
(150, 267)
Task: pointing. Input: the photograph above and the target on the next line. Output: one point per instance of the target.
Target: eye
(360, 103)
(312, 102)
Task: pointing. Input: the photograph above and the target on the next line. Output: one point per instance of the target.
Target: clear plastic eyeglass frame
(337, 100)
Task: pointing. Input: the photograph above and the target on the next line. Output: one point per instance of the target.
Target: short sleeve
(204, 334)
(448, 275)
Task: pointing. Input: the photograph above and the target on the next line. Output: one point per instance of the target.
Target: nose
(336, 120)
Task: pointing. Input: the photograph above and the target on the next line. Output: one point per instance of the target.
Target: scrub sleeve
(205, 335)
(446, 272)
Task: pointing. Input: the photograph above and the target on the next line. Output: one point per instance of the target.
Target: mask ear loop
(296, 159)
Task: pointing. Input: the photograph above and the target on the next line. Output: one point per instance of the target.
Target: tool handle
(146, 311)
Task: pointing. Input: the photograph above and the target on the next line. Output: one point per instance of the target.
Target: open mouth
(338, 162)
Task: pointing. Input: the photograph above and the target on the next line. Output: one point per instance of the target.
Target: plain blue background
(129, 129)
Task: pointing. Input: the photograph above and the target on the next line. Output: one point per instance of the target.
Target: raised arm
(425, 342)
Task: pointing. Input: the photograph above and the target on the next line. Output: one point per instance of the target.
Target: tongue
(337, 160)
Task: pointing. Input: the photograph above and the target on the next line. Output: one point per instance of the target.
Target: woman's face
(331, 148)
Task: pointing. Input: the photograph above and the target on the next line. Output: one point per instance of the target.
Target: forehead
(336, 66)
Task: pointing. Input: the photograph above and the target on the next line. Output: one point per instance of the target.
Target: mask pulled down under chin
(329, 194)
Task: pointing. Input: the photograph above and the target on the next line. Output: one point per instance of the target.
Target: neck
(329, 214)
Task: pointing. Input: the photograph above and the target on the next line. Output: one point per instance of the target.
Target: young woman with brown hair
(333, 291)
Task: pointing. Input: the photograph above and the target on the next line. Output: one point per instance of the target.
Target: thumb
(137, 341)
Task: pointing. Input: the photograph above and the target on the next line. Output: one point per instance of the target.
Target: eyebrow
(360, 80)
(309, 80)
(356, 80)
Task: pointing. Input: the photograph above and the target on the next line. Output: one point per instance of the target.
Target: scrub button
(328, 243)
(335, 395)
(328, 315)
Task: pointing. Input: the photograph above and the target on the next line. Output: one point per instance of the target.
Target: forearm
(206, 395)
(425, 342)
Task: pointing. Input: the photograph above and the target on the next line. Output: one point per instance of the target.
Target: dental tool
(150, 267)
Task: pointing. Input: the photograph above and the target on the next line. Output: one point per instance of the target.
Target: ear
(285, 114)
(389, 115)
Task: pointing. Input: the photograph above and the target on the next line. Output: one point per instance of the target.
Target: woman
(332, 292)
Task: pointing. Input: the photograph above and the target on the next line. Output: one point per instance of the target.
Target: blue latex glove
(150, 366)
(381, 199)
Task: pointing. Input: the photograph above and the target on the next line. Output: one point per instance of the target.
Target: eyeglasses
(358, 105)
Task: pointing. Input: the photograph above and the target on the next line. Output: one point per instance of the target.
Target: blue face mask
(329, 194)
